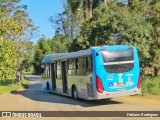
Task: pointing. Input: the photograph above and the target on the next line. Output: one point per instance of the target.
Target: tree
(14, 21)
(15, 24)
(8, 58)
(59, 44)
(41, 49)
(153, 17)
(150, 10)
(137, 24)
(86, 5)
(74, 5)
(66, 23)
(114, 24)
(25, 56)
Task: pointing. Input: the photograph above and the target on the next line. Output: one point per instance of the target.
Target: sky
(40, 11)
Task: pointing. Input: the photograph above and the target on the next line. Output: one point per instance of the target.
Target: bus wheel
(74, 93)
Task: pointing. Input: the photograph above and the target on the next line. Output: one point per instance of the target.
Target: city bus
(96, 73)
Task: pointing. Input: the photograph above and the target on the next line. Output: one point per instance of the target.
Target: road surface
(34, 99)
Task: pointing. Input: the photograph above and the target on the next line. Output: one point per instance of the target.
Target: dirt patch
(155, 100)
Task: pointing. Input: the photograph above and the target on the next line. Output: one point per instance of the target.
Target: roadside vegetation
(8, 86)
(151, 86)
(16, 31)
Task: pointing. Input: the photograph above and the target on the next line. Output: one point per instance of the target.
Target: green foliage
(44, 46)
(84, 6)
(15, 25)
(151, 85)
(14, 20)
(8, 86)
(59, 44)
(8, 58)
(137, 25)
(74, 5)
(41, 49)
(113, 23)
(25, 53)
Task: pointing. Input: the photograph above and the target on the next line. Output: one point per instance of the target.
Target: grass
(8, 86)
(150, 86)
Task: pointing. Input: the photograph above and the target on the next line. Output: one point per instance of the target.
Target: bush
(151, 86)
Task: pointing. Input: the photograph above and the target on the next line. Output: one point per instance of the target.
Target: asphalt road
(34, 99)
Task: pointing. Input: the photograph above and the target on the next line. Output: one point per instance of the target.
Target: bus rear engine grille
(90, 90)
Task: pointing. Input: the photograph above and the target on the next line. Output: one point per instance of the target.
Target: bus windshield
(118, 61)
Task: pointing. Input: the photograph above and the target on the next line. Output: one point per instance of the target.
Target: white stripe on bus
(116, 63)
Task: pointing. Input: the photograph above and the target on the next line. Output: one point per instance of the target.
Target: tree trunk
(105, 2)
(72, 32)
(85, 6)
(90, 8)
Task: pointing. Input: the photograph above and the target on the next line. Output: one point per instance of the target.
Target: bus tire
(74, 93)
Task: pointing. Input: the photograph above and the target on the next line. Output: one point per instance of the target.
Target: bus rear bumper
(106, 94)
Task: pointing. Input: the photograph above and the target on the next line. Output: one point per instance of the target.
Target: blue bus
(96, 73)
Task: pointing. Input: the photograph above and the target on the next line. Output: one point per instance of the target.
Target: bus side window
(71, 67)
(49, 70)
(59, 70)
(89, 64)
(80, 66)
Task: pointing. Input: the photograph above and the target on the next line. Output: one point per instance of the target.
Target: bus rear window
(118, 61)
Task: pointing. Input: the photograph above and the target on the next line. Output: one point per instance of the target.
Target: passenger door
(64, 76)
(53, 77)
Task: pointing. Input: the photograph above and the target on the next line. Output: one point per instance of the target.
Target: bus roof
(63, 56)
(50, 57)
(60, 56)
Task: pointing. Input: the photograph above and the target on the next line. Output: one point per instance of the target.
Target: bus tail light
(139, 82)
(99, 85)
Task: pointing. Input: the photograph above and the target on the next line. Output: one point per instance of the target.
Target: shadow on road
(35, 93)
